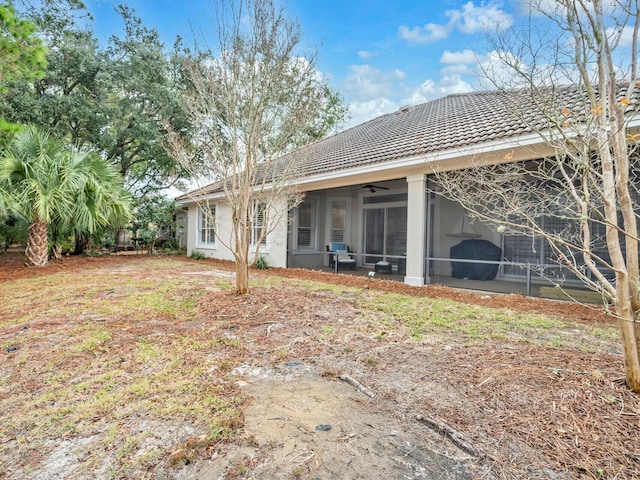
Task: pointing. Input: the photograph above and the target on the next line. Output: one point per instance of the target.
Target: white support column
(416, 231)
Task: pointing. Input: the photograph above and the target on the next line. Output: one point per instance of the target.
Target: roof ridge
(450, 122)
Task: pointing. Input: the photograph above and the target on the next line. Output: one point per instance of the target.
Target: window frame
(312, 228)
(344, 232)
(259, 223)
(207, 222)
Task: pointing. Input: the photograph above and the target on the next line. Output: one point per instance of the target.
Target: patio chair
(383, 266)
(341, 251)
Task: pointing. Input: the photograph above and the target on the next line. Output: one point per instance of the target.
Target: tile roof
(450, 122)
(446, 123)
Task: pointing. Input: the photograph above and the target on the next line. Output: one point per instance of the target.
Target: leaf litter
(236, 387)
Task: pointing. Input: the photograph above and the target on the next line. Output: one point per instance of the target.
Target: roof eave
(494, 150)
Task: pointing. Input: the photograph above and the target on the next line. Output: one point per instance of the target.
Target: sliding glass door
(385, 232)
(374, 235)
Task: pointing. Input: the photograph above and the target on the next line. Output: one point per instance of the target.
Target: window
(259, 224)
(338, 220)
(206, 225)
(306, 225)
(385, 231)
(385, 227)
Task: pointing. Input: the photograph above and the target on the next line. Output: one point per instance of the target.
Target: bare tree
(575, 85)
(253, 99)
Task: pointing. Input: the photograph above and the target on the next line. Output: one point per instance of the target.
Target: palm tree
(49, 183)
(101, 200)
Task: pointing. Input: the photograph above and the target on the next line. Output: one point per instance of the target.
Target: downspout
(427, 229)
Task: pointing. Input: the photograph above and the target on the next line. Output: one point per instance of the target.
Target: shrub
(261, 263)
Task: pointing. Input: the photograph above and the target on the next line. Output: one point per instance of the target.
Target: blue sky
(379, 54)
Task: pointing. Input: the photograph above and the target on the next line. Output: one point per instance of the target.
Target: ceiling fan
(372, 188)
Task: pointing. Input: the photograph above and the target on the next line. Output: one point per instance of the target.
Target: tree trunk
(242, 277)
(80, 245)
(242, 258)
(37, 251)
(630, 333)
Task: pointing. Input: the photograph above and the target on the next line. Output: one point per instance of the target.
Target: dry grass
(93, 355)
(125, 368)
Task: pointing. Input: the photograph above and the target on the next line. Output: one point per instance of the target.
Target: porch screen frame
(537, 249)
(386, 206)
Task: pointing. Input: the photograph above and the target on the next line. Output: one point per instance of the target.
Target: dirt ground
(331, 396)
(12, 267)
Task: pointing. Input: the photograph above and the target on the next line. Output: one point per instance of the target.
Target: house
(370, 187)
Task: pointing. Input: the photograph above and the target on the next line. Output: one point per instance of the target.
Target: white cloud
(465, 56)
(429, 33)
(553, 8)
(538, 8)
(365, 82)
(501, 69)
(472, 19)
(460, 63)
(365, 54)
(454, 84)
(497, 71)
(469, 19)
(430, 90)
(361, 112)
(425, 92)
(364, 109)
(458, 69)
(625, 35)
(372, 92)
